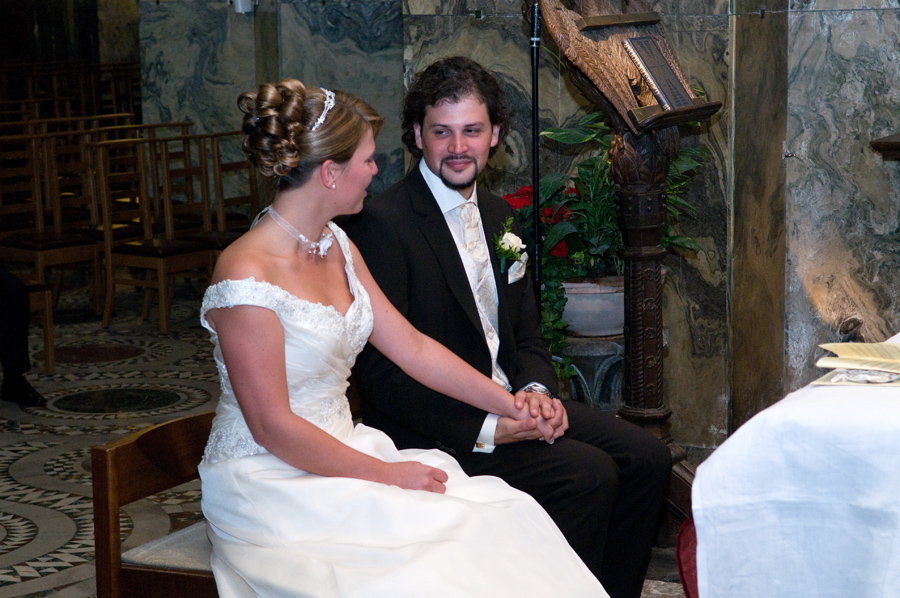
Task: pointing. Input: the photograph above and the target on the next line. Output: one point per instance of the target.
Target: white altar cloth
(803, 500)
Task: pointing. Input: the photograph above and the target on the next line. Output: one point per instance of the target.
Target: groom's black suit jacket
(405, 241)
(603, 482)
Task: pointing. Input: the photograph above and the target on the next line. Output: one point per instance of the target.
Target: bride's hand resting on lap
(412, 475)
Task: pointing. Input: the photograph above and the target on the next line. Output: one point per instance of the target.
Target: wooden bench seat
(134, 467)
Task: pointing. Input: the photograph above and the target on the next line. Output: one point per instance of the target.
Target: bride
(299, 501)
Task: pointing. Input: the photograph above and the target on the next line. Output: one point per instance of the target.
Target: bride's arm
(252, 342)
(435, 366)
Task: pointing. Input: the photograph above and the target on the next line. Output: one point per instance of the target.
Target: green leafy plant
(579, 222)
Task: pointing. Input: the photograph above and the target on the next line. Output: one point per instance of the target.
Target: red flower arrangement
(549, 216)
(521, 198)
(580, 221)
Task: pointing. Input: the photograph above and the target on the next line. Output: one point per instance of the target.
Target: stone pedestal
(599, 363)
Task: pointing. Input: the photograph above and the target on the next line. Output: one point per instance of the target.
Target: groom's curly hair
(452, 79)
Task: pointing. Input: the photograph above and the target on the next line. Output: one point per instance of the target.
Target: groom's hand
(551, 416)
(533, 428)
(510, 430)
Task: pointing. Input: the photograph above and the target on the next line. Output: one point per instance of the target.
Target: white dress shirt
(450, 202)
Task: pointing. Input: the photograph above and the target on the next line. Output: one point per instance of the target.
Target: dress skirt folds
(277, 531)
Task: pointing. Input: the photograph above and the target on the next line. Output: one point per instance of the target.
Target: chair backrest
(122, 160)
(134, 467)
(21, 161)
(234, 179)
(165, 179)
(36, 108)
(183, 167)
(138, 131)
(68, 186)
(58, 167)
(72, 123)
(122, 184)
(120, 87)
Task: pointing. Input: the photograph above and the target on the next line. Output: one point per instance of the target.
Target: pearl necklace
(319, 247)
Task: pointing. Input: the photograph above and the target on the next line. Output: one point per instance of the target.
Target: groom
(428, 241)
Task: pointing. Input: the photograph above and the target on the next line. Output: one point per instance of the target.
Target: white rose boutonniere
(509, 246)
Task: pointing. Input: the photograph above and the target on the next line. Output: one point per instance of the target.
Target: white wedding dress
(279, 531)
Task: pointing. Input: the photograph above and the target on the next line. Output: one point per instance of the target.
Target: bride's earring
(334, 185)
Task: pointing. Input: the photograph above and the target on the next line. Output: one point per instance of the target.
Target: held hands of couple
(536, 417)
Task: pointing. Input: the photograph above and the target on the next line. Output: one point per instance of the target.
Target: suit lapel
(434, 229)
(492, 220)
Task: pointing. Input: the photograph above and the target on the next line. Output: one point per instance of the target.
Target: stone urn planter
(595, 306)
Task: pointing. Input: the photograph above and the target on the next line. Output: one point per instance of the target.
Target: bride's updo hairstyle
(278, 129)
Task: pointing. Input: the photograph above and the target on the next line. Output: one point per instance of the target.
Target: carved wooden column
(590, 36)
(639, 166)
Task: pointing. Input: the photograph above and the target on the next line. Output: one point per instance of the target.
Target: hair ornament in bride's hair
(329, 104)
(290, 140)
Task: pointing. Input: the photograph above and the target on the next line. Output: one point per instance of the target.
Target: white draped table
(803, 500)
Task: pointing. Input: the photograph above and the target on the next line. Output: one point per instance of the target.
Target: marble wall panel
(266, 25)
(434, 7)
(802, 5)
(358, 48)
(696, 290)
(841, 197)
(693, 8)
(761, 9)
(512, 8)
(117, 31)
(196, 59)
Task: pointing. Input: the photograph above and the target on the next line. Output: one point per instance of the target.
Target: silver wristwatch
(538, 387)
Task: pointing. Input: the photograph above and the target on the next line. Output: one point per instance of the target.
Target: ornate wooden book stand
(620, 60)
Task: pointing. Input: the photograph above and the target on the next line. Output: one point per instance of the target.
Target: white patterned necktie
(484, 289)
(469, 215)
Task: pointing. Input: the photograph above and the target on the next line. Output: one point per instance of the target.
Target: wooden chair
(67, 181)
(237, 194)
(40, 300)
(160, 255)
(69, 173)
(31, 109)
(185, 167)
(132, 468)
(120, 87)
(118, 190)
(181, 171)
(45, 245)
(20, 182)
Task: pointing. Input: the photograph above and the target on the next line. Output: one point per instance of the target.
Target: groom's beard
(459, 186)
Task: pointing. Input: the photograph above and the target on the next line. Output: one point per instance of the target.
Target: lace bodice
(321, 346)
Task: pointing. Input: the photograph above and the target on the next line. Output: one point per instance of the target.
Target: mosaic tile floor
(109, 382)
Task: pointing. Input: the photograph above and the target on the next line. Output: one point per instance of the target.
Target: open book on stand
(861, 363)
(667, 88)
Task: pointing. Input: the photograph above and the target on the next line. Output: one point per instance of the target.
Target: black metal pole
(535, 159)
